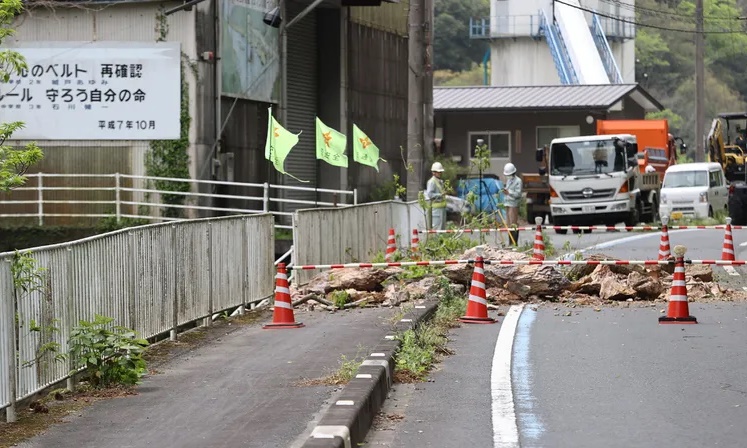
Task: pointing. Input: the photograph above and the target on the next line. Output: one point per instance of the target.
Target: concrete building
(340, 61)
(515, 121)
(544, 42)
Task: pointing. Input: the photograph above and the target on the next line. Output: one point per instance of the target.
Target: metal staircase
(559, 51)
(608, 59)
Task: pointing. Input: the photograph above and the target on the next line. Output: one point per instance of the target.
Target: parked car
(738, 203)
(694, 190)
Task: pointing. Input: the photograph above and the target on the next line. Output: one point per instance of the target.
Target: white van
(693, 190)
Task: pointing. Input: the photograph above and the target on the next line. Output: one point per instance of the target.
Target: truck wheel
(634, 216)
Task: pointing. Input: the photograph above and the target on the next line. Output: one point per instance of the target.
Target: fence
(152, 279)
(353, 234)
(60, 196)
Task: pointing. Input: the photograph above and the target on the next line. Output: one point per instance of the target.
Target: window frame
(487, 135)
(537, 143)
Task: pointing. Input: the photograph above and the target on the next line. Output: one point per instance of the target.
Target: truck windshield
(589, 157)
(683, 179)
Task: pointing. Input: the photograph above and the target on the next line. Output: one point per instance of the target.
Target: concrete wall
(521, 62)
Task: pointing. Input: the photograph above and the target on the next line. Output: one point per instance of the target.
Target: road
(612, 378)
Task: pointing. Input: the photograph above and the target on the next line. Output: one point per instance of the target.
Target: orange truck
(656, 146)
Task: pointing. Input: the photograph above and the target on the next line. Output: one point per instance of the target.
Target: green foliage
(170, 158)
(665, 60)
(474, 76)
(27, 275)
(387, 191)
(14, 162)
(418, 272)
(451, 42)
(111, 355)
(445, 246)
(339, 298)
(110, 223)
(422, 346)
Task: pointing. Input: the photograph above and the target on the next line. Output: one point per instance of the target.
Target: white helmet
(437, 167)
(509, 169)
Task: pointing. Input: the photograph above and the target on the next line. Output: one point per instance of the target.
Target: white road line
(730, 270)
(505, 427)
(744, 288)
(743, 244)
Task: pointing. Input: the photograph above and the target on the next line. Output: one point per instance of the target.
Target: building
(340, 61)
(547, 42)
(515, 121)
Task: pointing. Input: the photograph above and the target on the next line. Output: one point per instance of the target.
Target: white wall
(522, 61)
(134, 22)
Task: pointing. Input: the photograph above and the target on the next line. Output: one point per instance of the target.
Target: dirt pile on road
(509, 284)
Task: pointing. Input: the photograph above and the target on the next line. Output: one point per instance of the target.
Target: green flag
(364, 151)
(279, 143)
(330, 145)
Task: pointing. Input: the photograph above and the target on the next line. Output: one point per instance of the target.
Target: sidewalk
(240, 390)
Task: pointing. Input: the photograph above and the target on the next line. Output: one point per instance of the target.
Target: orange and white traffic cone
(415, 247)
(391, 246)
(539, 242)
(477, 306)
(678, 311)
(664, 252)
(727, 253)
(283, 311)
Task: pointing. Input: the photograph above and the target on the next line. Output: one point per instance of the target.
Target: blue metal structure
(603, 46)
(559, 51)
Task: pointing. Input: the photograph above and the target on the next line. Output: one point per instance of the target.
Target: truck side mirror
(683, 149)
(631, 150)
(539, 155)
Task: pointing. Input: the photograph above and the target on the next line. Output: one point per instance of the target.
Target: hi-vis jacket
(434, 192)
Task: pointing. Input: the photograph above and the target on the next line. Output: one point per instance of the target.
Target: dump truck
(537, 189)
(596, 180)
(657, 147)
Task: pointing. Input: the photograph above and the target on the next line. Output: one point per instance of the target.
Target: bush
(110, 355)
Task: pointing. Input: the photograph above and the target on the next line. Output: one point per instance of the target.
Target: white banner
(95, 91)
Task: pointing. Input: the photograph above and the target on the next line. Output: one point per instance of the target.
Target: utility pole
(699, 84)
(416, 59)
(428, 127)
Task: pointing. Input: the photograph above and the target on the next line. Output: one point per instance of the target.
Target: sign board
(95, 91)
(250, 58)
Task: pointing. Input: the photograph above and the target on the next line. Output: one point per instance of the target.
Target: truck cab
(596, 180)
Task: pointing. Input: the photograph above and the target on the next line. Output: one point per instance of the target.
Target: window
(715, 179)
(545, 134)
(499, 143)
(684, 179)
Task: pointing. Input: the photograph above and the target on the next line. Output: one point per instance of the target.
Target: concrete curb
(346, 423)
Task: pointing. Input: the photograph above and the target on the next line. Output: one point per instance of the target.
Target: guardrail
(89, 195)
(152, 279)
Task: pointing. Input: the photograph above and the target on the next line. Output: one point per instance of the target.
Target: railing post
(117, 199)
(245, 266)
(266, 198)
(334, 199)
(355, 196)
(10, 411)
(209, 318)
(175, 303)
(40, 198)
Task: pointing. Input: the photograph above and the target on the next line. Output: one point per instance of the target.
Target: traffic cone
(727, 253)
(477, 306)
(678, 311)
(539, 243)
(283, 311)
(664, 252)
(391, 246)
(415, 244)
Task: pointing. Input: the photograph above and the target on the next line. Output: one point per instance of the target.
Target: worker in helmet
(435, 194)
(512, 201)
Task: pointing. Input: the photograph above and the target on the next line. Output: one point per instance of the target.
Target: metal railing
(504, 26)
(603, 46)
(559, 52)
(616, 29)
(124, 196)
(152, 279)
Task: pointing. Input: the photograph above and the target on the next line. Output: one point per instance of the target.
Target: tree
(14, 162)
(451, 42)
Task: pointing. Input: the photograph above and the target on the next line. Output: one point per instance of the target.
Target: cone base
(678, 320)
(477, 320)
(282, 325)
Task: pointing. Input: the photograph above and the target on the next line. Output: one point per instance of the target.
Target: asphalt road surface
(612, 377)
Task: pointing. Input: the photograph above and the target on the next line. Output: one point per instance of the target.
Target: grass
(344, 373)
(423, 346)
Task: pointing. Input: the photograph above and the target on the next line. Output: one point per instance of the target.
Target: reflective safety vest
(440, 187)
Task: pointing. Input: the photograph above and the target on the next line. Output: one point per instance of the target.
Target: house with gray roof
(516, 120)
